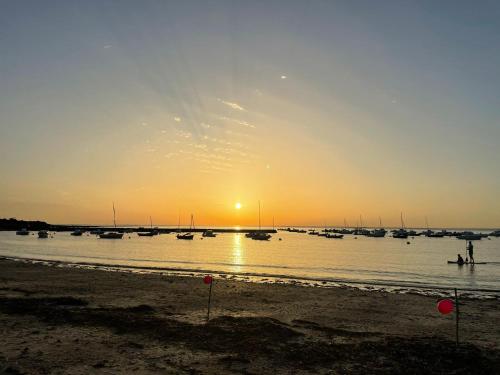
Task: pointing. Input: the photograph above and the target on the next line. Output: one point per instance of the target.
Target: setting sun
(237, 205)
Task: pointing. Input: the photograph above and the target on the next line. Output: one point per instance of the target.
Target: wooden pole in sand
(210, 297)
(456, 315)
(209, 280)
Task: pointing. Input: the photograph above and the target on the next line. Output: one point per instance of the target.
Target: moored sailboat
(188, 235)
(260, 235)
(112, 235)
(402, 232)
(150, 233)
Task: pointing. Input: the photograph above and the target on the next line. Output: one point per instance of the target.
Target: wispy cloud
(232, 105)
(236, 121)
(183, 134)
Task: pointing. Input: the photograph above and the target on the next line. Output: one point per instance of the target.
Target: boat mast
(402, 222)
(191, 225)
(259, 215)
(151, 222)
(114, 215)
(380, 221)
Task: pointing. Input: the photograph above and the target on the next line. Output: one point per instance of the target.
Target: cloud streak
(232, 105)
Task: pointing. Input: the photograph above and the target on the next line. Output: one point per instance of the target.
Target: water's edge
(382, 286)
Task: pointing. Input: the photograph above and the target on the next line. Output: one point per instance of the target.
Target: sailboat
(361, 231)
(432, 234)
(151, 233)
(380, 232)
(260, 235)
(112, 235)
(400, 233)
(188, 235)
(345, 230)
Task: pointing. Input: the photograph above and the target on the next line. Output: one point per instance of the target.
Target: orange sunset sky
(322, 111)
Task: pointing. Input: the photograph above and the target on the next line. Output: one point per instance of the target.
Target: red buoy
(445, 306)
(207, 279)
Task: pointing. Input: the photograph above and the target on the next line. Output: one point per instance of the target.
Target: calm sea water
(384, 261)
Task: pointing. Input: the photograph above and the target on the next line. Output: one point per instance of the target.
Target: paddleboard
(455, 262)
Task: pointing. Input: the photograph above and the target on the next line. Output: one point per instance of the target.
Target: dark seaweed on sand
(305, 345)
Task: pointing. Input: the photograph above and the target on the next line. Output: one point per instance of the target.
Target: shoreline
(391, 287)
(154, 323)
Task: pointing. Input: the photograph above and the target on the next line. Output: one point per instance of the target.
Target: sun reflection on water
(237, 252)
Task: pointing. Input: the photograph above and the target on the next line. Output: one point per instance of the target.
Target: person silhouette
(470, 250)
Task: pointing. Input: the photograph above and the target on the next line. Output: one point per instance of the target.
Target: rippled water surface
(423, 262)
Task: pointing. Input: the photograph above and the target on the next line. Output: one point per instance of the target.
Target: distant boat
(313, 232)
(435, 234)
(495, 233)
(402, 232)
(188, 235)
(151, 233)
(112, 235)
(77, 232)
(345, 230)
(336, 236)
(377, 233)
(185, 236)
(23, 232)
(43, 234)
(430, 233)
(260, 235)
(146, 234)
(209, 233)
(469, 236)
(380, 232)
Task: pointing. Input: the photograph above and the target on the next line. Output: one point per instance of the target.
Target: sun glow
(237, 205)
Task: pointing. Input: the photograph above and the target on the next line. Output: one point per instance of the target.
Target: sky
(323, 111)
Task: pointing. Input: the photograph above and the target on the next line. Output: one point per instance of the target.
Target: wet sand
(61, 320)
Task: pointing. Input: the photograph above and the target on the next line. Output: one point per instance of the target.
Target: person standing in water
(470, 250)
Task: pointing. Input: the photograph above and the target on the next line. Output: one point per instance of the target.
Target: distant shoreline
(14, 224)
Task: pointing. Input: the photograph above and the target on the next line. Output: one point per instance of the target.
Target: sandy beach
(62, 320)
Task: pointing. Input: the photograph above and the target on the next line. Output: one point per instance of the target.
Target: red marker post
(446, 306)
(209, 280)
